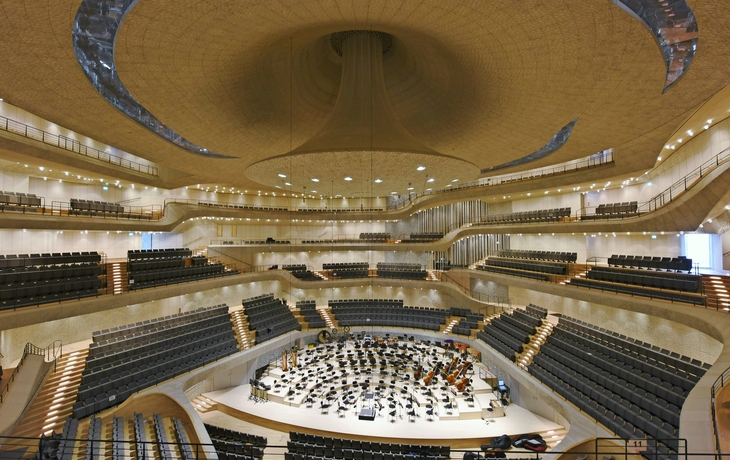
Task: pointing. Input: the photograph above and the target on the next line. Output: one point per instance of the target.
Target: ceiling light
(708, 121)
(281, 175)
(455, 180)
(679, 140)
(287, 183)
(278, 186)
(377, 181)
(659, 158)
(409, 188)
(348, 178)
(41, 168)
(706, 126)
(431, 180)
(420, 168)
(393, 193)
(314, 179)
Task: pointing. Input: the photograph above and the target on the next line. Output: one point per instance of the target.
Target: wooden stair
(328, 316)
(117, 278)
(525, 358)
(432, 275)
(240, 327)
(320, 274)
(717, 289)
(204, 404)
(451, 321)
(55, 400)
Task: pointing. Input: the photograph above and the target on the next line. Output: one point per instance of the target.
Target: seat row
(402, 274)
(238, 448)
(570, 257)
(119, 333)
(679, 264)
(551, 268)
(342, 265)
(56, 258)
(224, 434)
(351, 273)
(536, 310)
(384, 447)
(242, 206)
(397, 266)
(514, 272)
(139, 254)
(381, 237)
(686, 283)
(54, 272)
(97, 206)
(48, 291)
(162, 277)
(637, 347)
(365, 303)
(670, 280)
(672, 296)
(21, 199)
(627, 207)
(98, 367)
(543, 215)
(192, 356)
(155, 264)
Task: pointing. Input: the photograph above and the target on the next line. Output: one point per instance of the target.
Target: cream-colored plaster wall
(115, 245)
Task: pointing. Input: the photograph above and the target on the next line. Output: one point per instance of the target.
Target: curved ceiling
(486, 83)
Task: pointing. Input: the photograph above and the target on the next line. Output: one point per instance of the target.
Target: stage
(411, 391)
(458, 433)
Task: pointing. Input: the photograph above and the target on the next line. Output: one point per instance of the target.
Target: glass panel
(94, 30)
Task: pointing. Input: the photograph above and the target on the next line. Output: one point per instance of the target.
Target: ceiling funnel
(362, 140)
(363, 119)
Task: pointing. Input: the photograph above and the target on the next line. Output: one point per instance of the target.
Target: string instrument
(284, 364)
(448, 369)
(452, 377)
(467, 366)
(294, 357)
(461, 386)
(417, 374)
(427, 379)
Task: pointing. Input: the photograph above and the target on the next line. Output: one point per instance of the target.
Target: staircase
(327, 316)
(525, 358)
(451, 321)
(203, 404)
(717, 289)
(200, 251)
(55, 399)
(244, 337)
(431, 275)
(117, 278)
(320, 274)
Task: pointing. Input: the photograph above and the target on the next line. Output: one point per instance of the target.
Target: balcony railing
(73, 145)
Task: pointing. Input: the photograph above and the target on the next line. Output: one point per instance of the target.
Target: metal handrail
(716, 387)
(592, 161)
(72, 145)
(152, 212)
(50, 354)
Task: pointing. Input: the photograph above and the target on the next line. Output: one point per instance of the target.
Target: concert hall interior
(370, 229)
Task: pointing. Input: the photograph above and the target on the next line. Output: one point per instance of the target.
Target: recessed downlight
(378, 180)
(420, 168)
(348, 178)
(409, 188)
(393, 193)
(431, 180)
(281, 175)
(287, 183)
(314, 179)
(455, 180)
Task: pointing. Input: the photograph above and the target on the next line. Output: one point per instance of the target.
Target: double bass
(284, 363)
(417, 373)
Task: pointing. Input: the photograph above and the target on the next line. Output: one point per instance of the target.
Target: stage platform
(471, 432)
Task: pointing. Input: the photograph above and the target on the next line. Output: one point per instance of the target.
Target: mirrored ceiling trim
(94, 30)
(560, 138)
(673, 25)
